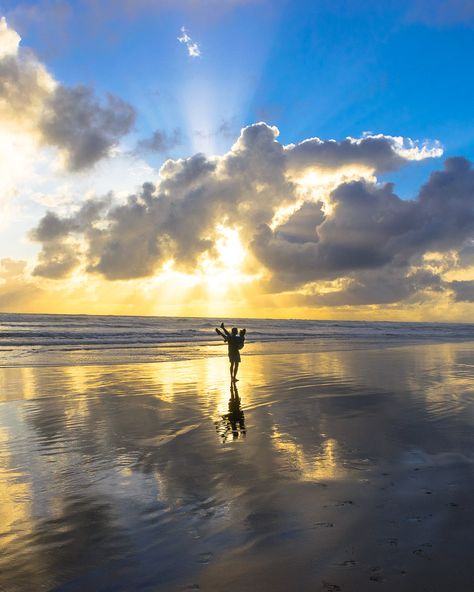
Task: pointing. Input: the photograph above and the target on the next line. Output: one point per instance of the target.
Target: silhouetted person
(235, 342)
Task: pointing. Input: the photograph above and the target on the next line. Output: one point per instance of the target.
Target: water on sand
(324, 471)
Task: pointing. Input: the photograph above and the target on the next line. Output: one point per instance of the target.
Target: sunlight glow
(230, 249)
(316, 185)
(199, 110)
(218, 278)
(15, 496)
(17, 154)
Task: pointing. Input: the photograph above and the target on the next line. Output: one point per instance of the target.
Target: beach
(345, 467)
(236, 296)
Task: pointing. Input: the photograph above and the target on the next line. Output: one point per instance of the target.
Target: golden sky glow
(301, 230)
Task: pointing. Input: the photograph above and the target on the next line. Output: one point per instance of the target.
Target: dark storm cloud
(463, 290)
(301, 226)
(365, 236)
(466, 255)
(446, 203)
(371, 228)
(365, 231)
(51, 227)
(84, 127)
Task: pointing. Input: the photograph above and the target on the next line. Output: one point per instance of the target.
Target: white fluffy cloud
(378, 152)
(194, 51)
(9, 40)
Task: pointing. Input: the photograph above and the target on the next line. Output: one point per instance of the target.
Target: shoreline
(197, 351)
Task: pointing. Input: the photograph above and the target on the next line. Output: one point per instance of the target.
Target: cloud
(194, 51)
(56, 260)
(9, 40)
(466, 255)
(370, 229)
(352, 242)
(160, 142)
(366, 230)
(60, 255)
(51, 227)
(463, 290)
(354, 231)
(25, 84)
(82, 127)
(378, 152)
(386, 285)
(15, 288)
(72, 119)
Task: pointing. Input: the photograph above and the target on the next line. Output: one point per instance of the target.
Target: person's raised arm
(221, 334)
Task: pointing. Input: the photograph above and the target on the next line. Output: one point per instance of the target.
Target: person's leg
(232, 369)
(236, 369)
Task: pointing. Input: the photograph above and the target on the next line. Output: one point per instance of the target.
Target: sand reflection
(157, 474)
(323, 465)
(231, 426)
(15, 496)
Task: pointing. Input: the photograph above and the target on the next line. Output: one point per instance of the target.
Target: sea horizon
(238, 318)
(37, 339)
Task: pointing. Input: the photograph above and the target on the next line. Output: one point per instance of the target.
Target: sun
(231, 252)
(223, 269)
(216, 285)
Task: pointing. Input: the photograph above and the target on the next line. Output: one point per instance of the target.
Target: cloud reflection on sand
(15, 496)
(323, 466)
(121, 476)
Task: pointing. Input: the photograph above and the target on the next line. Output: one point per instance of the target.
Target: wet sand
(341, 470)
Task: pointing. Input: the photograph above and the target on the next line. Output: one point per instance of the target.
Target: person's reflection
(234, 421)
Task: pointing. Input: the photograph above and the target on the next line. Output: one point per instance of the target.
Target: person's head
(234, 331)
(242, 332)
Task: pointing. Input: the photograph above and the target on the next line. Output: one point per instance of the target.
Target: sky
(252, 158)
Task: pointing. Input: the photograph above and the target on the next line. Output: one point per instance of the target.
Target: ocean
(43, 340)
